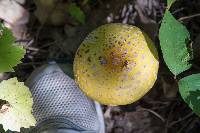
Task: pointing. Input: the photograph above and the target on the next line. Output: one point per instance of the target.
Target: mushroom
(116, 64)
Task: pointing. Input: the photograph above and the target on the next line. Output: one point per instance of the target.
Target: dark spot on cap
(112, 54)
(87, 51)
(78, 51)
(102, 60)
(125, 63)
(89, 59)
(83, 44)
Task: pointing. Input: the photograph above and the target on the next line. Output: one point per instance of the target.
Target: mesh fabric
(56, 95)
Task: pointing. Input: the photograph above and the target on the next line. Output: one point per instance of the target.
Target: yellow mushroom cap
(116, 64)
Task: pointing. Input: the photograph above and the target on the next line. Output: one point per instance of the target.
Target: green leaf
(174, 39)
(85, 2)
(16, 113)
(10, 53)
(189, 88)
(76, 12)
(67, 69)
(169, 3)
(1, 129)
(6, 36)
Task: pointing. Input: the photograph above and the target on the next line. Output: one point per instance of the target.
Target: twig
(31, 63)
(178, 10)
(154, 113)
(189, 17)
(48, 44)
(184, 126)
(180, 120)
(169, 116)
(158, 102)
(32, 49)
(36, 49)
(42, 25)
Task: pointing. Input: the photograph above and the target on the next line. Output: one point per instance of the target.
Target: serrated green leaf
(174, 39)
(6, 36)
(17, 113)
(76, 12)
(169, 3)
(189, 88)
(10, 53)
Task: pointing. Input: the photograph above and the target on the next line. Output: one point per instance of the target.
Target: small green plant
(15, 98)
(10, 53)
(177, 54)
(76, 12)
(56, 12)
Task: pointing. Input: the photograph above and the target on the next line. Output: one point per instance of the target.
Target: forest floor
(162, 110)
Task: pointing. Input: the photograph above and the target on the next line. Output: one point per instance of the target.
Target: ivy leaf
(189, 88)
(10, 53)
(16, 112)
(76, 12)
(174, 39)
(169, 3)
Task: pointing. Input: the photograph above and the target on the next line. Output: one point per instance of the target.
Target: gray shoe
(60, 106)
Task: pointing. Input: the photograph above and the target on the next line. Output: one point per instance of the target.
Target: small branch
(180, 120)
(32, 63)
(178, 10)
(184, 126)
(189, 17)
(36, 49)
(154, 113)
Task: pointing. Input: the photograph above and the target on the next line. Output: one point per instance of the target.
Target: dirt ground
(162, 110)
